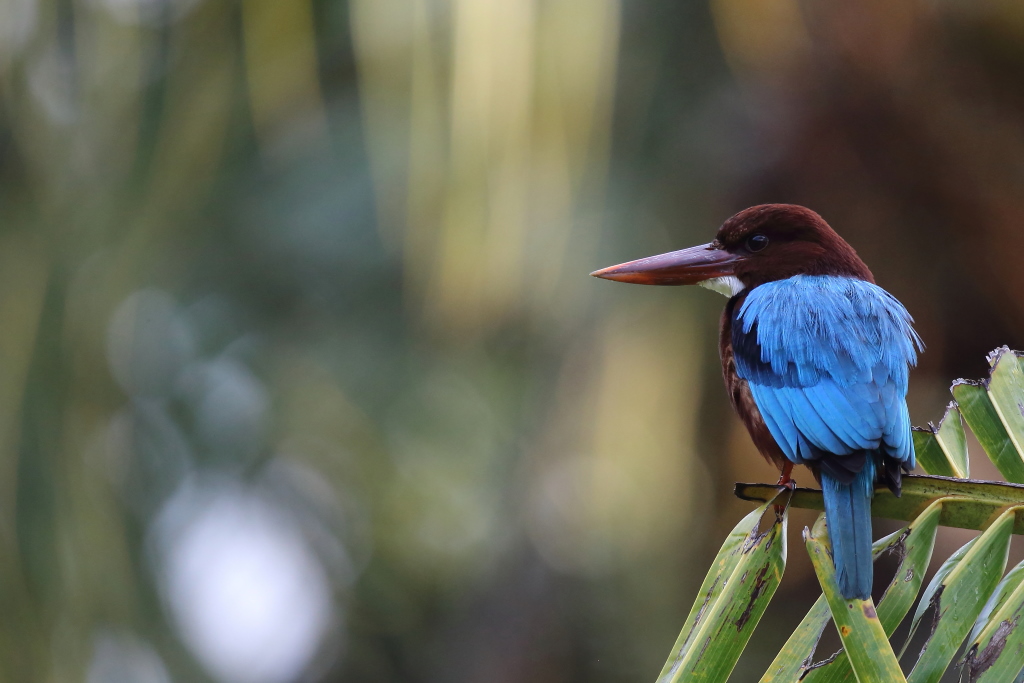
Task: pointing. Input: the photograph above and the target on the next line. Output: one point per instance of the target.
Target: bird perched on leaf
(815, 357)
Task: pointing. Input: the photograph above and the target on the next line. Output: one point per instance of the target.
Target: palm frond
(969, 598)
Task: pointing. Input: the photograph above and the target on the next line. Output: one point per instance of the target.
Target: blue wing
(827, 361)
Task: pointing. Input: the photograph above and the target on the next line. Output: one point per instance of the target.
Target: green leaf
(942, 450)
(914, 543)
(864, 639)
(947, 566)
(1006, 392)
(997, 639)
(731, 601)
(972, 503)
(795, 656)
(1009, 583)
(966, 595)
(958, 593)
(975, 403)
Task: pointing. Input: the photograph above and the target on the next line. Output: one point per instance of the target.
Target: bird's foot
(788, 482)
(785, 479)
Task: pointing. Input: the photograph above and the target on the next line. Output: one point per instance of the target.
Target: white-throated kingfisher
(815, 357)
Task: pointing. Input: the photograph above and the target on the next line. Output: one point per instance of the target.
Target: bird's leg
(788, 482)
(785, 479)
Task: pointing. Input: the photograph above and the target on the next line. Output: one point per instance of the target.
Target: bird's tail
(848, 514)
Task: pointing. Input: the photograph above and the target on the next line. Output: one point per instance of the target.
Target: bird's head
(758, 245)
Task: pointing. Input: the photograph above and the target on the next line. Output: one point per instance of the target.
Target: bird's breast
(739, 393)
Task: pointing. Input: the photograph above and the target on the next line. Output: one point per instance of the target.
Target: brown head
(760, 244)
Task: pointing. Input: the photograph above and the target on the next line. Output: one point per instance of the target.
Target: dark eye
(757, 242)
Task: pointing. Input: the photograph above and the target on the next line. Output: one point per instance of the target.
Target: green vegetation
(969, 607)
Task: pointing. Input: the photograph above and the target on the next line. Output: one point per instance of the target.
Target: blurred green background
(302, 377)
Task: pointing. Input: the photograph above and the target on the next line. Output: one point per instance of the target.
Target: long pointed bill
(684, 267)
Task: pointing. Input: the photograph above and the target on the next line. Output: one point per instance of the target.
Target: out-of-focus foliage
(301, 374)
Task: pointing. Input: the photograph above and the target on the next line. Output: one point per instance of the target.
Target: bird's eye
(757, 242)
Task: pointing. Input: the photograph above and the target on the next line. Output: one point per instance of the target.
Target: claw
(786, 481)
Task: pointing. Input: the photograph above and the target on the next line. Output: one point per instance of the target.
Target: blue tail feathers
(848, 514)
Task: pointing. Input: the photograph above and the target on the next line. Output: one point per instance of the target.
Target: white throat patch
(728, 285)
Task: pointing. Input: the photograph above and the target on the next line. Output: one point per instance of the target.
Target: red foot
(785, 479)
(789, 483)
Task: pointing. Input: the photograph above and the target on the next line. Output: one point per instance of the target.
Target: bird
(816, 360)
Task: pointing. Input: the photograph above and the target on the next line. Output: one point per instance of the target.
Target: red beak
(684, 267)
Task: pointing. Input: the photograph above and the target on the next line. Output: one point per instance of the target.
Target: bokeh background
(302, 377)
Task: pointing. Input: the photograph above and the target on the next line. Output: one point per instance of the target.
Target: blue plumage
(827, 361)
(848, 511)
(815, 358)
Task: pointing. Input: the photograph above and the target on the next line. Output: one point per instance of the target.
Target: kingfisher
(816, 359)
